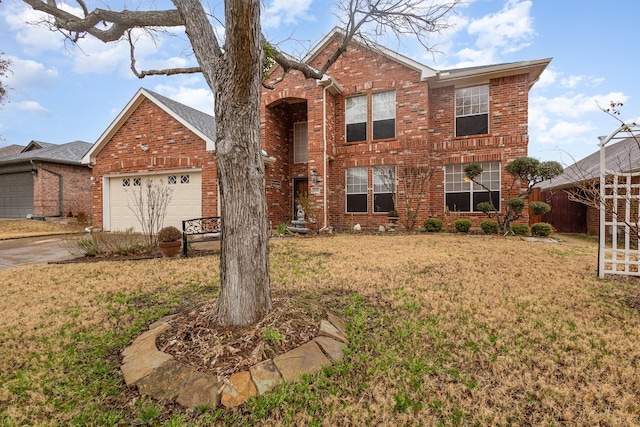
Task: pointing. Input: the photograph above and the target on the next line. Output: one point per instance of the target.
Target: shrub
(542, 229)
(490, 227)
(282, 229)
(539, 208)
(432, 224)
(100, 243)
(169, 234)
(462, 225)
(520, 229)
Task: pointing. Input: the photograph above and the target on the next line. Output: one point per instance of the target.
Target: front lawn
(444, 329)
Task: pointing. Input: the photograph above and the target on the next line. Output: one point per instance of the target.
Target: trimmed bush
(462, 225)
(541, 229)
(539, 208)
(520, 229)
(432, 225)
(169, 234)
(490, 227)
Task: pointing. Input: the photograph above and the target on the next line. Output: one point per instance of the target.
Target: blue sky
(61, 92)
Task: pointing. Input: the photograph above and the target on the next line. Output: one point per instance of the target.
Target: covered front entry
(16, 195)
(185, 202)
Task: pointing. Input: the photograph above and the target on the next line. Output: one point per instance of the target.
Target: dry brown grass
(445, 329)
(11, 229)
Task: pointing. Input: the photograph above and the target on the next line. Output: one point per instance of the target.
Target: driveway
(34, 250)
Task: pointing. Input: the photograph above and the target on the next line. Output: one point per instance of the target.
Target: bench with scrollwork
(209, 227)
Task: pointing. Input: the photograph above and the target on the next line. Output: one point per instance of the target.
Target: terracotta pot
(170, 249)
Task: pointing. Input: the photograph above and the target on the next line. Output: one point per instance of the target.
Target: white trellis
(619, 247)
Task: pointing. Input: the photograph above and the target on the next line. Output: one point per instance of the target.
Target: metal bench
(209, 227)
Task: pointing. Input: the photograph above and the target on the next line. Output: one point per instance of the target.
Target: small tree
(526, 173)
(415, 179)
(149, 203)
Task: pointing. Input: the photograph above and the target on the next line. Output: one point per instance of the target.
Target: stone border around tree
(160, 376)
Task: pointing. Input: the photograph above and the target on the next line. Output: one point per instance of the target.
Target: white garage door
(16, 195)
(186, 198)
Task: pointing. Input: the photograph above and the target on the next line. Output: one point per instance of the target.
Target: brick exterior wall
(171, 146)
(424, 136)
(76, 190)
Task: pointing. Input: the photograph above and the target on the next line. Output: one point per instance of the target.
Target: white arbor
(619, 242)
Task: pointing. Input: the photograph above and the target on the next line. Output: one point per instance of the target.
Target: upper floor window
(472, 110)
(356, 118)
(300, 142)
(463, 195)
(384, 115)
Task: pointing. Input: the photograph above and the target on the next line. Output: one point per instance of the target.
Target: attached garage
(16, 195)
(185, 188)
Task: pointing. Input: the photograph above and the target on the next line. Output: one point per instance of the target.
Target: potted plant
(169, 241)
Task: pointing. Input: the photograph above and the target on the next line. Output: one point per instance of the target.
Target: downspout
(60, 192)
(324, 154)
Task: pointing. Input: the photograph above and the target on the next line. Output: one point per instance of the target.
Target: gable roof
(202, 124)
(425, 71)
(439, 78)
(70, 153)
(36, 145)
(11, 149)
(623, 156)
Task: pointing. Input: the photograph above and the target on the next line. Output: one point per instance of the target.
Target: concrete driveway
(34, 250)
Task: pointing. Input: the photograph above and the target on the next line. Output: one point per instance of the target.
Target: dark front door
(300, 190)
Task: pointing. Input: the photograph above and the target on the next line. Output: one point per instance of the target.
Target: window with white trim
(172, 179)
(384, 188)
(137, 182)
(472, 110)
(184, 179)
(357, 188)
(356, 118)
(384, 114)
(300, 142)
(126, 182)
(463, 195)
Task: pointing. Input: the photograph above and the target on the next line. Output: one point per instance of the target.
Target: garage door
(16, 195)
(186, 198)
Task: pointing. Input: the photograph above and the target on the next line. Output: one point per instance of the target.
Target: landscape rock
(166, 382)
(200, 390)
(238, 389)
(306, 359)
(328, 330)
(332, 348)
(265, 376)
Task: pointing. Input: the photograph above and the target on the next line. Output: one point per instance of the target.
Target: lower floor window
(357, 183)
(462, 195)
(384, 188)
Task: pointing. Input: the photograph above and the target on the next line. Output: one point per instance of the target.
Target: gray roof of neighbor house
(204, 122)
(69, 153)
(10, 149)
(623, 156)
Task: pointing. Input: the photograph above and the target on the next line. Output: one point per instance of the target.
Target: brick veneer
(76, 190)
(171, 146)
(425, 133)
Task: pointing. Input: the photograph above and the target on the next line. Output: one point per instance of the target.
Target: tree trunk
(235, 77)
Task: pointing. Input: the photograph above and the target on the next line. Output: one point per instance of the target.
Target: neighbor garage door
(16, 195)
(186, 198)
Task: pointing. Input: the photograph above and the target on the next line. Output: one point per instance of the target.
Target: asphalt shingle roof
(623, 156)
(204, 122)
(69, 153)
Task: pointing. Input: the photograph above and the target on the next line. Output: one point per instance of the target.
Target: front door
(300, 190)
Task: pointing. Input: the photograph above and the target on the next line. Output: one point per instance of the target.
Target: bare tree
(149, 202)
(415, 179)
(234, 72)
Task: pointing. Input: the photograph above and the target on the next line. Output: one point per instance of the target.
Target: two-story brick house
(350, 138)
(349, 141)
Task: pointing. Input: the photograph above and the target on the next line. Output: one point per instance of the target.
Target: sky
(61, 92)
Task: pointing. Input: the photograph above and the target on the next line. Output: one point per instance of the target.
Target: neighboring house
(345, 141)
(570, 216)
(45, 180)
(10, 150)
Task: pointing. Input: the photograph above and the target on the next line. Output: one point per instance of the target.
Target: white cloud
(199, 98)
(547, 78)
(35, 38)
(27, 74)
(287, 12)
(31, 107)
(500, 33)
